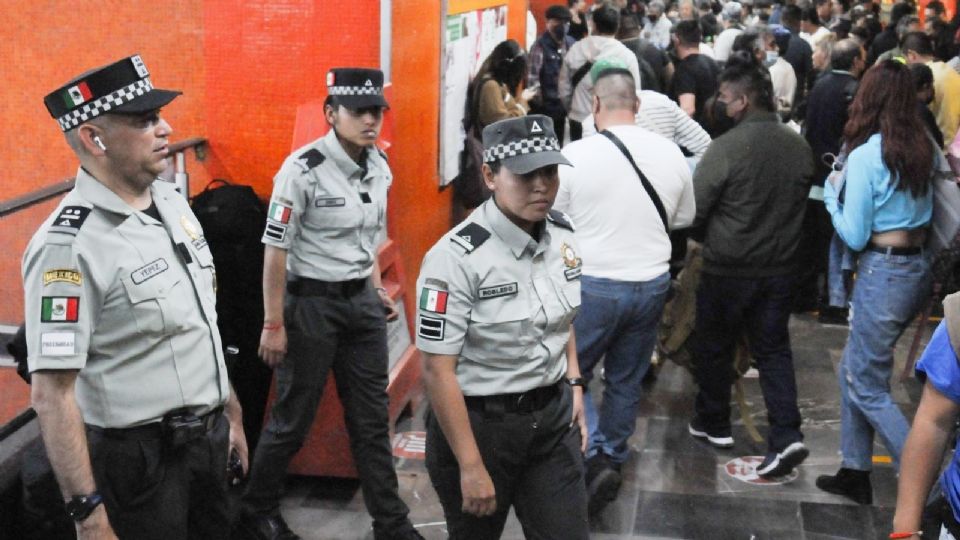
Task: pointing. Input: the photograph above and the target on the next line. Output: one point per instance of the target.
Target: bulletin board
(471, 29)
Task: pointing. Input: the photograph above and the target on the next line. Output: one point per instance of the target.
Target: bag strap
(643, 178)
(580, 73)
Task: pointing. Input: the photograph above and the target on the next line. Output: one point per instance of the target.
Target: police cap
(120, 87)
(522, 144)
(356, 88)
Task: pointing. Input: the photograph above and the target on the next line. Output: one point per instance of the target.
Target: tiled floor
(674, 486)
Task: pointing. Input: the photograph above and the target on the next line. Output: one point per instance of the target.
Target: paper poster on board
(468, 39)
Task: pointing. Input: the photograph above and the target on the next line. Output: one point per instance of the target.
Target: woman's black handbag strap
(643, 178)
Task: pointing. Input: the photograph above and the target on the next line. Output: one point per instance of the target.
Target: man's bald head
(616, 90)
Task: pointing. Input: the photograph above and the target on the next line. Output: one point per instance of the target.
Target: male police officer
(326, 220)
(122, 327)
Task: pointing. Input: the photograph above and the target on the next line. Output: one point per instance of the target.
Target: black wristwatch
(577, 381)
(79, 507)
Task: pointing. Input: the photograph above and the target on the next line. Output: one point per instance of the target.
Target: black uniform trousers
(814, 251)
(153, 492)
(535, 463)
(345, 332)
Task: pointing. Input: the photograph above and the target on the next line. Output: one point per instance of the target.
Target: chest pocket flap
(149, 299)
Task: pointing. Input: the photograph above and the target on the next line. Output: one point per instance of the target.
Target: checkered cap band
(520, 147)
(103, 104)
(356, 90)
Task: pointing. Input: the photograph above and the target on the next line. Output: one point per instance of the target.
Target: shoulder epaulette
(310, 159)
(69, 220)
(470, 237)
(560, 219)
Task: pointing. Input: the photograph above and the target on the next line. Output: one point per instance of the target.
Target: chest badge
(189, 228)
(571, 261)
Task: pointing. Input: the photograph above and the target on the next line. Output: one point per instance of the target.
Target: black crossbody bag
(643, 178)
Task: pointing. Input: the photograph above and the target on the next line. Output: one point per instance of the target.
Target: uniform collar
(340, 157)
(100, 195)
(518, 240)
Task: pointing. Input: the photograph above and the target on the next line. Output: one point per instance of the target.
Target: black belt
(153, 430)
(518, 402)
(314, 287)
(890, 250)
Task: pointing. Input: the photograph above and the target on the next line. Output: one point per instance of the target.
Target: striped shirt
(663, 116)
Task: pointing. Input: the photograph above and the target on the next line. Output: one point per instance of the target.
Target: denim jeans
(888, 294)
(842, 263)
(618, 322)
(729, 308)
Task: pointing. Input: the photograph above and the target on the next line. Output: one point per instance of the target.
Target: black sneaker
(831, 315)
(406, 533)
(719, 440)
(266, 527)
(780, 464)
(850, 483)
(603, 483)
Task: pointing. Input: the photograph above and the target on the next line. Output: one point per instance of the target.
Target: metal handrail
(23, 202)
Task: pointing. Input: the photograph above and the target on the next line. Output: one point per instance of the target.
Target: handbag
(468, 185)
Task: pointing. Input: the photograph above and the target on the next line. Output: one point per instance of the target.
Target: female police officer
(497, 298)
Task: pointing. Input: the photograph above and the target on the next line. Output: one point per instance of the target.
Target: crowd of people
(784, 154)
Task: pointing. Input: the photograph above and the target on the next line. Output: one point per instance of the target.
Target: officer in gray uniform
(497, 296)
(325, 307)
(122, 327)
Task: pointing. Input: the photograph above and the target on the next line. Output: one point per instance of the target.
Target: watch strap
(79, 507)
(577, 381)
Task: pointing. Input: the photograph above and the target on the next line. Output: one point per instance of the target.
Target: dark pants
(152, 492)
(759, 308)
(348, 334)
(536, 466)
(814, 251)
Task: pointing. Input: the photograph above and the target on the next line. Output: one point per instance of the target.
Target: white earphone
(99, 143)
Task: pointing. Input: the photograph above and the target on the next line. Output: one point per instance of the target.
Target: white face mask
(772, 57)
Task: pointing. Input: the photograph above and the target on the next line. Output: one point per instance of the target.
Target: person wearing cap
(544, 63)
(498, 294)
(623, 226)
(732, 11)
(325, 307)
(129, 380)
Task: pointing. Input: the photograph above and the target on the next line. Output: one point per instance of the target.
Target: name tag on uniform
(330, 202)
(58, 344)
(572, 273)
(507, 289)
(150, 270)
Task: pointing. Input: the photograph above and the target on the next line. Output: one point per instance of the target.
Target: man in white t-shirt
(732, 11)
(625, 251)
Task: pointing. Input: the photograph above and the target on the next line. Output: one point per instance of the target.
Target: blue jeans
(729, 308)
(618, 322)
(842, 263)
(888, 294)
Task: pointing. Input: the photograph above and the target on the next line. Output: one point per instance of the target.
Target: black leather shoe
(603, 482)
(272, 527)
(850, 483)
(406, 532)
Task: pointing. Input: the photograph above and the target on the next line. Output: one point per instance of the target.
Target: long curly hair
(886, 103)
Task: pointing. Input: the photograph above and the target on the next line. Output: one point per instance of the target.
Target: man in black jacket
(826, 116)
(888, 39)
(751, 190)
(799, 53)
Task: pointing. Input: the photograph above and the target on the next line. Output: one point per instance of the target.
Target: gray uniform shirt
(500, 301)
(128, 301)
(328, 212)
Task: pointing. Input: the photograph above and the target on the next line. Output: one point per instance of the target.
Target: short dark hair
(606, 20)
(937, 6)
(843, 54)
(790, 14)
(688, 32)
(753, 81)
(922, 76)
(809, 14)
(899, 10)
(917, 42)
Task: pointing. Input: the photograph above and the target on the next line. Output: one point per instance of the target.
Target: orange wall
(244, 67)
(43, 50)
